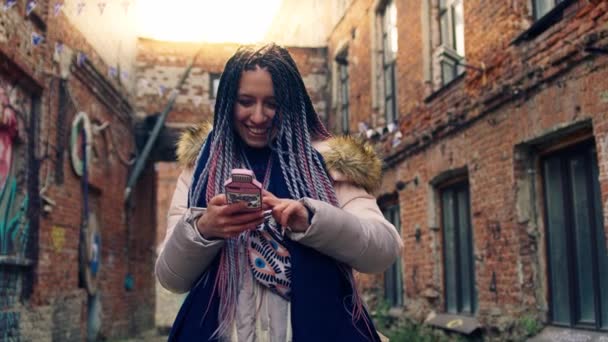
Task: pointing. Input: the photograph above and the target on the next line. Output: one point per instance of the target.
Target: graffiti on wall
(9, 326)
(14, 224)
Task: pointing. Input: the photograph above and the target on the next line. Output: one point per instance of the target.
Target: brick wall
(55, 306)
(529, 90)
(161, 64)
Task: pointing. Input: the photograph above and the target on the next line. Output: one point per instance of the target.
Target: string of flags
(37, 39)
(9, 4)
(29, 8)
(57, 7)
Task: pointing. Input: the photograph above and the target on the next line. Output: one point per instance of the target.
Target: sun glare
(216, 21)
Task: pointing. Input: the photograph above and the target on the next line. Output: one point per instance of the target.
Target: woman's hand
(287, 212)
(223, 220)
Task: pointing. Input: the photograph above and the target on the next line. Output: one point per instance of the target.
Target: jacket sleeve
(184, 254)
(356, 233)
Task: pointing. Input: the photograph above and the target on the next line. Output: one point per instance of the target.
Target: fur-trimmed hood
(347, 158)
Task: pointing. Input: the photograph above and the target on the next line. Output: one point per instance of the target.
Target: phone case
(242, 186)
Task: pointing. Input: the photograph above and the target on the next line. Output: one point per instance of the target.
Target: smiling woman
(235, 21)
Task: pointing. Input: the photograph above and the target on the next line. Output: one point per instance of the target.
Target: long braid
(296, 125)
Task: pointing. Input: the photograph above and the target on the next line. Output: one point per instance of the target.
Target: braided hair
(296, 124)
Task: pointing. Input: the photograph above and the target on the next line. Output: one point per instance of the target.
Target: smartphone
(243, 187)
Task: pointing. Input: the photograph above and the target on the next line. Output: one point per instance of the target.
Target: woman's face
(255, 107)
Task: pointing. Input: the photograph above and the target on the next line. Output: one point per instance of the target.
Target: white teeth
(257, 130)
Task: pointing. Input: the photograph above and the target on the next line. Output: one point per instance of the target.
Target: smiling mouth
(258, 131)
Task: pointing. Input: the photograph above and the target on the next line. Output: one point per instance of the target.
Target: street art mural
(15, 106)
(15, 250)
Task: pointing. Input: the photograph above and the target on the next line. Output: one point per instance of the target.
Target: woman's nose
(258, 116)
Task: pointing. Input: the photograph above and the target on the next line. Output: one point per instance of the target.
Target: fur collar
(354, 160)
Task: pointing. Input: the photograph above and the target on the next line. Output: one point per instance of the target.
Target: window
(459, 268)
(342, 61)
(450, 53)
(542, 7)
(389, 55)
(214, 83)
(576, 245)
(393, 277)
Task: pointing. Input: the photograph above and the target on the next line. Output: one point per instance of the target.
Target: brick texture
(56, 308)
(530, 90)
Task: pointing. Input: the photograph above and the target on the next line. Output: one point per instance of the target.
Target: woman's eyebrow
(246, 95)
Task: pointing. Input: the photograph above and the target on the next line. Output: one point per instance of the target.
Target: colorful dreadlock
(296, 124)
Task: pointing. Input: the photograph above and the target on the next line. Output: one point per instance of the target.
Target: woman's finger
(238, 207)
(240, 218)
(270, 200)
(239, 228)
(287, 213)
(278, 210)
(218, 200)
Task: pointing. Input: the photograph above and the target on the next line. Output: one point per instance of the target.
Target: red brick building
(493, 121)
(50, 74)
(492, 118)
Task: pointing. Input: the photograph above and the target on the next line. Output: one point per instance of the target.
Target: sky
(239, 21)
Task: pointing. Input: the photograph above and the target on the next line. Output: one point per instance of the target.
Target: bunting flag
(29, 8)
(124, 75)
(58, 48)
(80, 7)
(37, 39)
(397, 139)
(80, 58)
(101, 6)
(9, 4)
(112, 72)
(57, 8)
(161, 90)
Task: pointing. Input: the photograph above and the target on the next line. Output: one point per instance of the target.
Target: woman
(285, 276)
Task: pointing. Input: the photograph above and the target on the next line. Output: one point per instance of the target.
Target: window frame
(388, 58)
(541, 24)
(392, 212)
(212, 78)
(564, 154)
(455, 185)
(447, 52)
(535, 14)
(343, 93)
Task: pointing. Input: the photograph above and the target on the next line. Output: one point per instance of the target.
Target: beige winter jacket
(356, 233)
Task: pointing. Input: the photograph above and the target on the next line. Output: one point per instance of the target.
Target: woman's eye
(271, 105)
(245, 102)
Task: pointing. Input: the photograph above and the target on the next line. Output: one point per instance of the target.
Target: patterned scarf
(268, 258)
